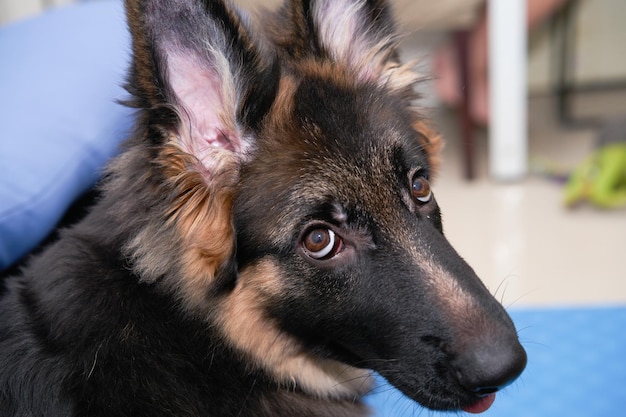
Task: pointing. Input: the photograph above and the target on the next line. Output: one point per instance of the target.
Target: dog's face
(294, 175)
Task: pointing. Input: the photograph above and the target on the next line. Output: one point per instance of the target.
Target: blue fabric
(576, 368)
(60, 76)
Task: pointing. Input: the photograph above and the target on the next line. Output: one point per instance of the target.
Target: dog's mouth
(483, 404)
(469, 402)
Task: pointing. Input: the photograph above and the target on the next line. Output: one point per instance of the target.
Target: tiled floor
(527, 247)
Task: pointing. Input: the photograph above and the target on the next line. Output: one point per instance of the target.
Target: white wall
(11, 10)
(600, 45)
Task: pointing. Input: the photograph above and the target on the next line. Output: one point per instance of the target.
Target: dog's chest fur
(124, 350)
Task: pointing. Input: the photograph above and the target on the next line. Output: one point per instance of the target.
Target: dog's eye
(420, 189)
(321, 243)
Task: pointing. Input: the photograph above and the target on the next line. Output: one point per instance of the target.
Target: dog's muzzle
(488, 367)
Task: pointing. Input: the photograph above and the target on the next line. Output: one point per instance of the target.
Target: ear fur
(199, 74)
(203, 86)
(358, 34)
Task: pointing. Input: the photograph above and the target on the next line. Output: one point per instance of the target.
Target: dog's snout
(488, 367)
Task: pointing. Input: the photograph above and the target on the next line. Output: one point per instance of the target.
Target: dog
(266, 239)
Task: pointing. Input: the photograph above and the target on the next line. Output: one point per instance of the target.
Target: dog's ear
(199, 74)
(359, 34)
(203, 85)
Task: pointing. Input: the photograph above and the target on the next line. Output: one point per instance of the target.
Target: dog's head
(287, 176)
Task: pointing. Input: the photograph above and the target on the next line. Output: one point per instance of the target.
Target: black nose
(488, 367)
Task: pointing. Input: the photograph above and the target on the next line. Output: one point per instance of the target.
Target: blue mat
(576, 368)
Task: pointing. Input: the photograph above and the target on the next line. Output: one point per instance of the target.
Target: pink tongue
(482, 405)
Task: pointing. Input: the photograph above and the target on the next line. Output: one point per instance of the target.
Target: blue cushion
(60, 77)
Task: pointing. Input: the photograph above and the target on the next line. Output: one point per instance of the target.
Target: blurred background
(533, 190)
(521, 236)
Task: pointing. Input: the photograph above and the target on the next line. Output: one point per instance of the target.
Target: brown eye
(321, 243)
(420, 189)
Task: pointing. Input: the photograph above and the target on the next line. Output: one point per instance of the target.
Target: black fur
(189, 288)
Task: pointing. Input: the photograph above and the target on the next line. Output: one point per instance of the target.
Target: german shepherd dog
(267, 237)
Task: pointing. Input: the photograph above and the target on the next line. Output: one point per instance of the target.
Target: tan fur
(341, 75)
(283, 104)
(398, 77)
(246, 326)
(448, 291)
(454, 299)
(466, 318)
(432, 143)
(201, 213)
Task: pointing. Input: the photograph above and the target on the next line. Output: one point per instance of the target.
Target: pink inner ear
(205, 99)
